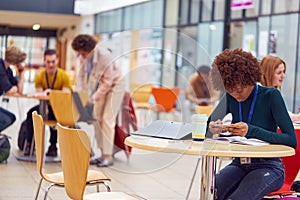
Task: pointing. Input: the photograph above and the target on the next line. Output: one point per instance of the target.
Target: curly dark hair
(84, 42)
(234, 67)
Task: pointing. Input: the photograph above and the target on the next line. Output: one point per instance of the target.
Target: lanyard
(251, 108)
(54, 79)
(89, 67)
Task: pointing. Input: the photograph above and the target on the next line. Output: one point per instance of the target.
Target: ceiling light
(36, 27)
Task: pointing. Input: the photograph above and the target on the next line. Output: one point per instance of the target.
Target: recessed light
(36, 27)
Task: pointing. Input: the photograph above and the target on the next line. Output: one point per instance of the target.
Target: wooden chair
(64, 109)
(141, 96)
(75, 148)
(204, 110)
(57, 179)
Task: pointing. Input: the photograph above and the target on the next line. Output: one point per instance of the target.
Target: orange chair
(291, 168)
(165, 99)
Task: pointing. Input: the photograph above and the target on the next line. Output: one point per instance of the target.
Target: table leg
(207, 185)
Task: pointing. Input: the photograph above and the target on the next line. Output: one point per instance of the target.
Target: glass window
(219, 9)
(286, 6)
(206, 10)
(195, 11)
(266, 7)
(171, 15)
(236, 14)
(157, 7)
(186, 57)
(184, 5)
(263, 27)
(210, 42)
(253, 12)
(285, 36)
(128, 22)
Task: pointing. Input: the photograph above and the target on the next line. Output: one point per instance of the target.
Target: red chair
(291, 168)
(165, 98)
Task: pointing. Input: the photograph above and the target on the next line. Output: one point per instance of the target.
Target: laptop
(166, 129)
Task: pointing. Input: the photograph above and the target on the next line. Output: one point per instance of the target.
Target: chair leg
(38, 190)
(97, 185)
(107, 187)
(47, 190)
(192, 181)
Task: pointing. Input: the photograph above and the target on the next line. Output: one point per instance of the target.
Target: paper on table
(242, 140)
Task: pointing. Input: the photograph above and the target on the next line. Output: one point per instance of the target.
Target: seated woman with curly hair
(257, 112)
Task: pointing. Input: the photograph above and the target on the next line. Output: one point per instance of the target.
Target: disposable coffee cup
(199, 124)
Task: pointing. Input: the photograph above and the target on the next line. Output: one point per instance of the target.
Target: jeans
(6, 119)
(249, 181)
(53, 132)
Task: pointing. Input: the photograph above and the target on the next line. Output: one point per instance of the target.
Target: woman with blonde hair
(273, 71)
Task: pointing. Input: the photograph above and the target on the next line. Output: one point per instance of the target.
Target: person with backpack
(8, 83)
(49, 78)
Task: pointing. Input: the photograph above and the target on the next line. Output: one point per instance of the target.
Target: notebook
(166, 129)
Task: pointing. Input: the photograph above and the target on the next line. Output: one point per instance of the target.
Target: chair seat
(142, 106)
(51, 123)
(112, 196)
(283, 191)
(57, 178)
(93, 176)
(96, 176)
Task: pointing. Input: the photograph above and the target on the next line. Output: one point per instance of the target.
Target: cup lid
(200, 116)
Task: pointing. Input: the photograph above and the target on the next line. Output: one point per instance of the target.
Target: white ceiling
(88, 7)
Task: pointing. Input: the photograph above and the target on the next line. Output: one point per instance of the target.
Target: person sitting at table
(273, 74)
(8, 83)
(198, 90)
(257, 112)
(49, 78)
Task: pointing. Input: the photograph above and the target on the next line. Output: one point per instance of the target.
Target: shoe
(95, 161)
(52, 151)
(105, 163)
(92, 154)
(27, 149)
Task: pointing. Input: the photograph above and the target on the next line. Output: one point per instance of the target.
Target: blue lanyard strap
(251, 108)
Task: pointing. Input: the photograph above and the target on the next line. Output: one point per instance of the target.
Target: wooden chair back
(142, 93)
(204, 110)
(64, 109)
(75, 149)
(38, 127)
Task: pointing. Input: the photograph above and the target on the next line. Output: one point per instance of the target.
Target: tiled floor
(152, 175)
(148, 174)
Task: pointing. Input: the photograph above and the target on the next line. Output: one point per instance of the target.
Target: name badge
(245, 160)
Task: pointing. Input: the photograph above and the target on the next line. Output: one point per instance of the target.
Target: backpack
(4, 147)
(22, 135)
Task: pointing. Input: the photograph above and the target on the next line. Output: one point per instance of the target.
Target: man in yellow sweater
(49, 78)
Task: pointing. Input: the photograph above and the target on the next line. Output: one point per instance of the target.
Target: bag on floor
(125, 119)
(22, 135)
(4, 147)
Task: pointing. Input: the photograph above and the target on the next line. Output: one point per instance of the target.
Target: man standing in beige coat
(100, 75)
